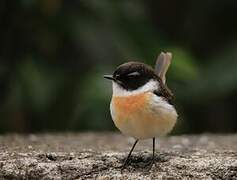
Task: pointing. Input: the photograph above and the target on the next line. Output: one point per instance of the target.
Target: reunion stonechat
(141, 105)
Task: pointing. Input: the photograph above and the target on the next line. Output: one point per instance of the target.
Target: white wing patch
(162, 108)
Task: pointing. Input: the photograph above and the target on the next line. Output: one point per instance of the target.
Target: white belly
(143, 116)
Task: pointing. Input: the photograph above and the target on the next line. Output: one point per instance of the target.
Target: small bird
(141, 105)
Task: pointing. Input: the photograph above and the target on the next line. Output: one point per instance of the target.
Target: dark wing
(165, 92)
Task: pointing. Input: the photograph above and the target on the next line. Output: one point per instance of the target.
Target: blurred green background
(53, 54)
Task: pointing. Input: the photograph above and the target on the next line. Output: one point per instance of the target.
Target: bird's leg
(127, 159)
(153, 155)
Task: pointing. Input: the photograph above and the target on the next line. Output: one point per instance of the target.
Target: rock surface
(100, 155)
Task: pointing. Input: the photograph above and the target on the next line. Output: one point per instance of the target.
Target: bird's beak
(110, 77)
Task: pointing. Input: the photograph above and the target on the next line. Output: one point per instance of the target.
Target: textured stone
(100, 155)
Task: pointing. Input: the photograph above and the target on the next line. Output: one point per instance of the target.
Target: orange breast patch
(130, 104)
(135, 116)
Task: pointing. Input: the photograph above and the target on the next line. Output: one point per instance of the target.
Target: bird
(142, 104)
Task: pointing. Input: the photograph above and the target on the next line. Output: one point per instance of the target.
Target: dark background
(53, 54)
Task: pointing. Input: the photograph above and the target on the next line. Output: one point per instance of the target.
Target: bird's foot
(150, 164)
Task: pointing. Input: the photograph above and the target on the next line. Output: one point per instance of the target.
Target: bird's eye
(133, 74)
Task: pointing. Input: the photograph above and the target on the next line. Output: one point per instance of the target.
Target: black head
(133, 75)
